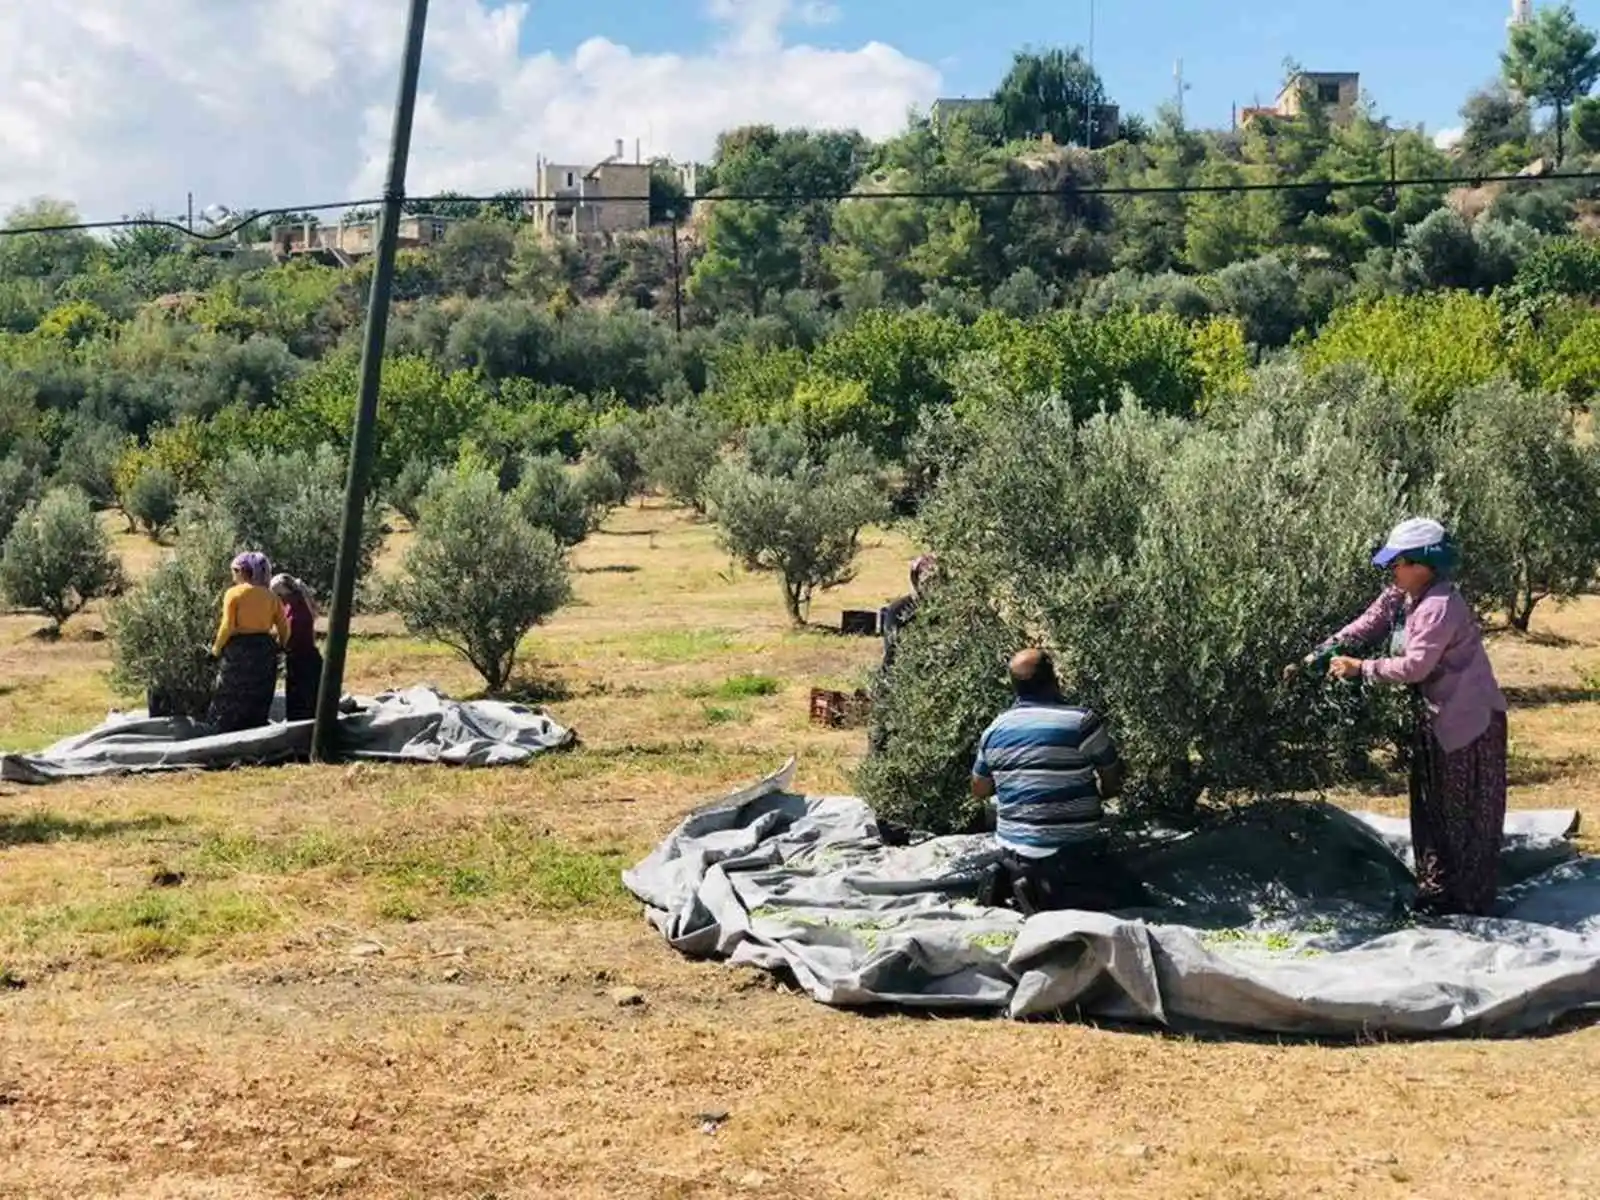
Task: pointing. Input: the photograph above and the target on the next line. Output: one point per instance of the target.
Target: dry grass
(377, 982)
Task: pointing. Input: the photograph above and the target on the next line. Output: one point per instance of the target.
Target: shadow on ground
(42, 828)
(1548, 695)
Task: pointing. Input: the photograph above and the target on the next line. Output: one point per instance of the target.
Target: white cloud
(1448, 139)
(120, 105)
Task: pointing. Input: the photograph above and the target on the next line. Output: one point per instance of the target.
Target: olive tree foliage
(550, 498)
(20, 485)
(161, 630)
(404, 492)
(797, 515)
(58, 557)
(479, 577)
(151, 501)
(1524, 499)
(1172, 569)
(678, 451)
(289, 507)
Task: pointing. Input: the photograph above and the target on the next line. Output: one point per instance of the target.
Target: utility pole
(1088, 103)
(363, 438)
(677, 280)
(191, 212)
(1177, 74)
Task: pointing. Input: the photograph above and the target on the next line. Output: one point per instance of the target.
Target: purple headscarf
(256, 566)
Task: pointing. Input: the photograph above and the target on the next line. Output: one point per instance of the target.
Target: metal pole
(1394, 201)
(677, 280)
(363, 438)
(1088, 103)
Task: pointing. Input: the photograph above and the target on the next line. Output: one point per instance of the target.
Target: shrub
(151, 501)
(618, 441)
(57, 557)
(602, 489)
(947, 682)
(1429, 347)
(161, 630)
(804, 525)
(1524, 499)
(20, 485)
(548, 498)
(679, 452)
(1172, 569)
(479, 577)
(291, 507)
(88, 462)
(405, 492)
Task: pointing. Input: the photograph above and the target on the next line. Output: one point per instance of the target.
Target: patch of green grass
(737, 687)
(250, 854)
(145, 926)
(725, 714)
(421, 870)
(664, 647)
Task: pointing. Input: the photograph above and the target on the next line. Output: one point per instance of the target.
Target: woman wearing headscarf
(302, 664)
(1458, 736)
(252, 629)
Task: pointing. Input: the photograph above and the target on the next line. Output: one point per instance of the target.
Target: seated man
(1049, 766)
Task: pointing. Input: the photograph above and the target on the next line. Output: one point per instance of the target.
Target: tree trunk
(793, 600)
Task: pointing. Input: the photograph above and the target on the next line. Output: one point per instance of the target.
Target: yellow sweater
(247, 608)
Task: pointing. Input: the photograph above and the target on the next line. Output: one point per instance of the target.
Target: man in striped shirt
(1049, 766)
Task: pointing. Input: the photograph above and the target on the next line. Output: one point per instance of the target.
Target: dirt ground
(405, 982)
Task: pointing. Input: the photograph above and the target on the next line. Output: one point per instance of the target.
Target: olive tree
(802, 524)
(1523, 499)
(20, 485)
(1172, 569)
(678, 452)
(161, 630)
(289, 507)
(57, 557)
(479, 577)
(151, 500)
(550, 498)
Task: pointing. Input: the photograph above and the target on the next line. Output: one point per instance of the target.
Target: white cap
(1419, 533)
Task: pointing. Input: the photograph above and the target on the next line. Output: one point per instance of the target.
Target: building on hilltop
(348, 242)
(1337, 93)
(610, 196)
(947, 108)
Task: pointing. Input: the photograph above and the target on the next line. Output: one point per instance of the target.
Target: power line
(1064, 192)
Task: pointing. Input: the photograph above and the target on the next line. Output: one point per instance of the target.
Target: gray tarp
(411, 725)
(1288, 918)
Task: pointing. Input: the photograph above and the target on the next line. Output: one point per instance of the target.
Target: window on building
(570, 180)
(1327, 93)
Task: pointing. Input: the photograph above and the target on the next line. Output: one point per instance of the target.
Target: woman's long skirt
(247, 677)
(1458, 814)
(302, 672)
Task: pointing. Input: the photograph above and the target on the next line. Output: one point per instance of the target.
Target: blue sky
(125, 105)
(1418, 58)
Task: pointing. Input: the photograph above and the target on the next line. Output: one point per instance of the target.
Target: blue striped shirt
(1042, 759)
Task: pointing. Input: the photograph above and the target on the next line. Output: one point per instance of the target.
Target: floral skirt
(247, 677)
(1458, 814)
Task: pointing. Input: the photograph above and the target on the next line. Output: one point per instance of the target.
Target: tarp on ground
(1287, 918)
(414, 724)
